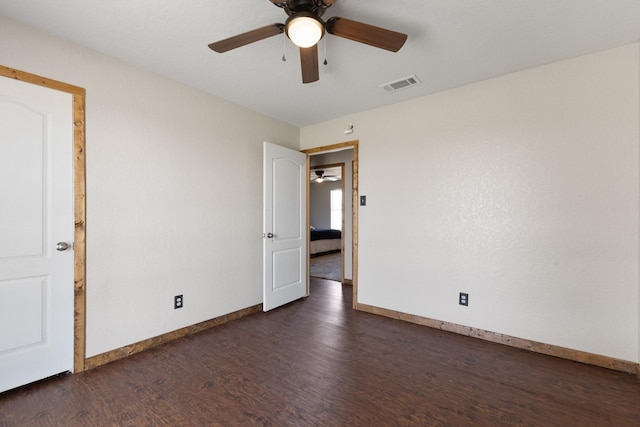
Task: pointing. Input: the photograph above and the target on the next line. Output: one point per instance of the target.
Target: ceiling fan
(305, 28)
(320, 177)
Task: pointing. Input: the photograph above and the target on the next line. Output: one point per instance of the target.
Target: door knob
(62, 246)
(270, 236)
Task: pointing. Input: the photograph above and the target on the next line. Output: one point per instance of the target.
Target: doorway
(327, 221)
(331, 155)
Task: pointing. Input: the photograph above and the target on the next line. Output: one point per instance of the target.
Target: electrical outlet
(463, 299)
(177, 302)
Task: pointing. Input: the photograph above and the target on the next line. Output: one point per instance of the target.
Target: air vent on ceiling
(401, 84)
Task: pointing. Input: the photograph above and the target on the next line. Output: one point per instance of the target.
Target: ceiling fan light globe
(304, 31)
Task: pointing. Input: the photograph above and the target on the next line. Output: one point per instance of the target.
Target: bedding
(324, 240)
(322, 234)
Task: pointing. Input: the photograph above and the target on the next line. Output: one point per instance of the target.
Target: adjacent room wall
(320, 203)
(174, 192)
(520, 190)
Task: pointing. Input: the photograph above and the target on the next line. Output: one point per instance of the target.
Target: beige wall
(520, 190)
(174, 192)
(320, 203)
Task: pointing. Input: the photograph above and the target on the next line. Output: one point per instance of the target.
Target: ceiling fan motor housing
(293, 7)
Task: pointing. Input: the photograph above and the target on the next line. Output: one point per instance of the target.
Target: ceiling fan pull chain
(325, 50)
(284, 47)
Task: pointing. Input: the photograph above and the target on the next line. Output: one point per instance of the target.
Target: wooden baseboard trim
(134, 348)
(548, 349)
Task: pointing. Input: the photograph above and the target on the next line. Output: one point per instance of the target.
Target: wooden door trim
(79, 191)
(354, 214)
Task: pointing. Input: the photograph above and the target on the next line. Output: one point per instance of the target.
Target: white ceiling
(450, 43)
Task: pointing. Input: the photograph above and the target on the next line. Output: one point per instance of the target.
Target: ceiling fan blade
(247, 38)
(309, 64)
(365, 33)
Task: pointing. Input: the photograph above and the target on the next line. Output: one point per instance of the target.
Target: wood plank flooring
(316, 362)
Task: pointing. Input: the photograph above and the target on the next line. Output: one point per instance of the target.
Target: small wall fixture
(304, 29)
(349, 129)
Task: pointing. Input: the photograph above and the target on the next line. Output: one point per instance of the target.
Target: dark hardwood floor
(316, 362)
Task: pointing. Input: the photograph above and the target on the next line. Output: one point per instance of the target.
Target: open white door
(36, 232)
(284, 226)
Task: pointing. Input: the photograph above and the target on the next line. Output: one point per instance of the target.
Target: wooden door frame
(79, 211)
(354, 214)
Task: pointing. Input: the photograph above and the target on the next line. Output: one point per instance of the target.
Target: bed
(324, 240)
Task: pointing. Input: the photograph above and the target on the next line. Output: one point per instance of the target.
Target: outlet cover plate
(463, 299)
(177, 302)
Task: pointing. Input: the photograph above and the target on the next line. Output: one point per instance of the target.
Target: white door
(284, 226)
(36, 212)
